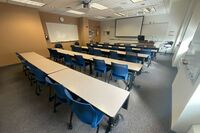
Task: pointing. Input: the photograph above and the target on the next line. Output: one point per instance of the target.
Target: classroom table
(46, 65)
(123, 47)
(133, 68)
(139, 55)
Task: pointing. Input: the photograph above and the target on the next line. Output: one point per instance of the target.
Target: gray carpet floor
(21, 111)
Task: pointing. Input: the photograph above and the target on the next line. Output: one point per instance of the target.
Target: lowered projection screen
(128, 27)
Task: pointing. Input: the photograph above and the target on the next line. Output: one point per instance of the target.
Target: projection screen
(128, 27)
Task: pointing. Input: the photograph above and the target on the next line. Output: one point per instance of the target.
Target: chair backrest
(58, 45)
(119, 70)
(86, 113)
(67, 59)
(99, 65)
(146, 51)
(55, 54)
(90, 50)
(59, 90)
(97, 52)
(128, 48)
(76, 43)
(115, 47)
(76, 48)
(114, 55)
(105, 45)
(79, 60)
(39, 75)
(132, 58)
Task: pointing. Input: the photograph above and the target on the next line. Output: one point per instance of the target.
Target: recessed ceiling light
(98, 6)
(100, 17)
(136, 1)
(75, 12)
(30, 2)
(119, 14)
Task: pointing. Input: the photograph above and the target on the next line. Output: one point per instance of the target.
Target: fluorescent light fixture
(100, 17)
(30, 2)
(75, 12)
(98, 6)
(136, 1)
(119, 14)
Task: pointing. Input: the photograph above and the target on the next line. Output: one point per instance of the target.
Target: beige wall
(84, 30)
(95, 27)
(24, 29)
(20, 31)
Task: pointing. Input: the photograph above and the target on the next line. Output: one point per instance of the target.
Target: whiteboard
(128, 27)
(157, 31)
(62, 32)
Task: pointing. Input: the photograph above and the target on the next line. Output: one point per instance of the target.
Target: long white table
(46, 65)
(106, 97)
(131, 66)
(119, 52)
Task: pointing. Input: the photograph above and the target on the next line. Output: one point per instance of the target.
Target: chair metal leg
(109, 78)
(110, 125)
(97, 129)
(96, 74)
(105, 77)
(70, 122)
(54, 106)
(36, 89)
(50, 97)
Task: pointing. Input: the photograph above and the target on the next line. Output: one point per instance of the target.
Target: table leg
(110, 125)
(91, 68)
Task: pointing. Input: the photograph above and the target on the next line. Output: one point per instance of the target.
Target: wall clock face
(61, 19)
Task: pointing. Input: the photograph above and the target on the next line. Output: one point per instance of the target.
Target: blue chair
(128, 49)
(24, 64)
(132, 58)
(58, 45)
(60, 94)
(97, 52)
(90, 50)
(115, 47)
(119, 72)
(76, 48)
(114, 55)
(85, 112)
(105, 45)
(100, 67)
(55, 55)
(68, 61)
(148, 52)
(80, 62)
(39, 78)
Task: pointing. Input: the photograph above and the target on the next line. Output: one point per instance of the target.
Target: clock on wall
(61, 19)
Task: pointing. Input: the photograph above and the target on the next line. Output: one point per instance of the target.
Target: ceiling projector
(86, 3)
